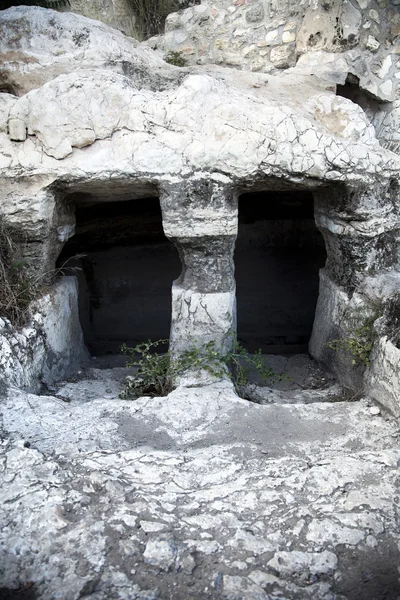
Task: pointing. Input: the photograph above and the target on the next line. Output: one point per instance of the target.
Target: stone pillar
(361, 232)
(200, 217)
(360, 228)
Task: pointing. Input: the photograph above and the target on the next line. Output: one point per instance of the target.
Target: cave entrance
(126, 273)
(278, 255)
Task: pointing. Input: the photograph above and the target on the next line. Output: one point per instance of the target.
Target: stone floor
(198, 495)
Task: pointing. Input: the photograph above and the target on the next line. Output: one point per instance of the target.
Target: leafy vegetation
(358, 344)
(158, 372)
(175, 58)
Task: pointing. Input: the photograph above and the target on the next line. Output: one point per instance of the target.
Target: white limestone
(122, 497)
(50, 346)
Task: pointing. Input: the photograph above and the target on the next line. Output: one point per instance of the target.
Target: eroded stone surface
(330, 39)
(50, 347)
(200, 494)
(38, 44)
(199, 137)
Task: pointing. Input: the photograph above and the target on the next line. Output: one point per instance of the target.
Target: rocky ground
(198, 495)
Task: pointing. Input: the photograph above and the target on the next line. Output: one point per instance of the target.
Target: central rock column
(200, 217)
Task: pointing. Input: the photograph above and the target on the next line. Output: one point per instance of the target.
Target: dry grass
(18, 288)
(151, 14)
(15, 290)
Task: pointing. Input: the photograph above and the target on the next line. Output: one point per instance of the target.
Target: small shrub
(175, 58)
(358, 344)
(16, 291)
(157, 373)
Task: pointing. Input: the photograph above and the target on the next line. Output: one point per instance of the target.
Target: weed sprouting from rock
(16, 291)
(157, 373)
(358, 344)
(175, 58)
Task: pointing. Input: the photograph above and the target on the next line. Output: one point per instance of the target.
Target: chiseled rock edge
(50, 347)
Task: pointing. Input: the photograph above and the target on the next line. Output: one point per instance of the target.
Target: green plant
(175, 58)
(358, 344)
(157, 373)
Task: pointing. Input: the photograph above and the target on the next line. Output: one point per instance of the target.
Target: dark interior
(279, 253)
(352, 91)
(126, 275)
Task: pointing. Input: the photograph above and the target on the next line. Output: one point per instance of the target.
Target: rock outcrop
(50, 348)
(39, 44)
(100, 116)
(202, 494)
(198, 495)
(329, 38)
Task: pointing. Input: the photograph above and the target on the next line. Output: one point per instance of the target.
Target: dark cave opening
(352, 91)
(279, 252)
(125, 275)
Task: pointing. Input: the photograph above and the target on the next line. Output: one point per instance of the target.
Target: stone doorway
(279, 252)
(126, 272)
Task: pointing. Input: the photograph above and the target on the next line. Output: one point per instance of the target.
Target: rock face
(331, 38)
(126, 125)
(115, 13)
(122, 14)
(198, 495)
(37, 45)
(51, 347)
(202, 494)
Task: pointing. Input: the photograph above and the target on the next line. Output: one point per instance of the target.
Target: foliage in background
(157, 373)
(44, 3)
(358, 344)
(151, 14)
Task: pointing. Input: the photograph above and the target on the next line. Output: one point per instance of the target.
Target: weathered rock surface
(199, 495)
(330, 39)
(37, 45)
(197, 138)
(50, 347)
(281, 128)
(115, 13)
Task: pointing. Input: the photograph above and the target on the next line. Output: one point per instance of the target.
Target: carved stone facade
(127, 126)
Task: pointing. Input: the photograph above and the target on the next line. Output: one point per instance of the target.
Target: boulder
(37, 44)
